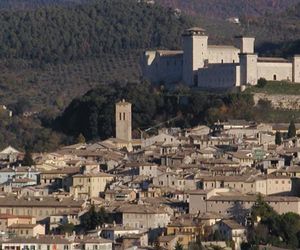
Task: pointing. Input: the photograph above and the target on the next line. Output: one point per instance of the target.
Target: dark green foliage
(27, 132)
(94, 218)
(278, 230)
(228, 8)
(278, 138)
(93, 114)
(32, 4)
(60, 34)
(66, 228)
(178, 246)
(262, 82)
(292, 130)
(27, 160)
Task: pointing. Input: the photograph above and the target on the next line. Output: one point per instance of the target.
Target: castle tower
(123, 120)
(195, 54)
(245, 44)
(296, 68)
(248, 60)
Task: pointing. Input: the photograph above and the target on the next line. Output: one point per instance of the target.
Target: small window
(274, 77)
(124, 116)
(120, 116)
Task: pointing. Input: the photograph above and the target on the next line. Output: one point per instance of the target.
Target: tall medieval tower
(123, 121)
(248, 60)
(195, 54)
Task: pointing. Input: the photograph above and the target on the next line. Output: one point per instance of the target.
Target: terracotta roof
(233, 224)
(13, 201)
(15, 225)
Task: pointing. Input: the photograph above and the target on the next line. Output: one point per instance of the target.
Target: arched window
(274, 77)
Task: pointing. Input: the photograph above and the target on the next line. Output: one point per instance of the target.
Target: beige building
(144, 217)
(230, 230)
(227, 202)
(266, 185)
(218, 67)
(56, 242)
(90, 184)
(6, 220)
(39, 207)
(27, 230)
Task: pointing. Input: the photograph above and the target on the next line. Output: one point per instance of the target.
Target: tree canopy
(62, 34)
(272, 228)
(291, 130)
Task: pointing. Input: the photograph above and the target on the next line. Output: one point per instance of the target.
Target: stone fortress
(216, 66)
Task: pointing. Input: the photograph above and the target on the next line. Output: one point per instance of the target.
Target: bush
(262, 82)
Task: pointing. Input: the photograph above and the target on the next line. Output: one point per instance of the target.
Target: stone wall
(279, 101)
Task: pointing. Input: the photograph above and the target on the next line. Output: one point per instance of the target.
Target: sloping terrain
(228, 8)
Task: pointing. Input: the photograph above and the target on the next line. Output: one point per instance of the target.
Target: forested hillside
(50, 55)
(33, 4)
(93, 113)
(68, 50)
(229, 8)
(58, 33)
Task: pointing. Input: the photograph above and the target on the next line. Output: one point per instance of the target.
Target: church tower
(195, 54)
(123, 120)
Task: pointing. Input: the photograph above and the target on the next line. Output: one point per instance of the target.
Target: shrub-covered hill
(59, 33)
(32, 4)
(229, 8)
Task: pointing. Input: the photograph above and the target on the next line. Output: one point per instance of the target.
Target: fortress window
(222, 61)
(124, 116)
(120, 116)
(274, 77)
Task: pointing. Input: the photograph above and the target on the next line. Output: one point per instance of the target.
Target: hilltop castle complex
(216, 66)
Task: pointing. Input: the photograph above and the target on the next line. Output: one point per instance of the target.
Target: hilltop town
(149, 124)
(196, 188)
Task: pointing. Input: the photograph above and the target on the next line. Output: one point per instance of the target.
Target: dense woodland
(229, 8)
(63, 34)
(33, 4)
(94, 117)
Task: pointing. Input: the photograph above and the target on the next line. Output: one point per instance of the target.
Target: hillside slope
(228, 8)
(67, 50)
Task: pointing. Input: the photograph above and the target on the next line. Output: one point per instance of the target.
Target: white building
(216, 66)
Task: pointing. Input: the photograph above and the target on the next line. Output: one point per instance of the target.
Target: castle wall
(223, 54)
(162, 67)
(296, 69)
(248, 69)
(275, 71)
(219, 76)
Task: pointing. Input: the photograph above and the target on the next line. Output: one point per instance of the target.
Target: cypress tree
(278, 139)
(291, 130)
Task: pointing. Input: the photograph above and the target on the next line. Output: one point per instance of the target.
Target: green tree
(291, 130)
(66, 228)
(278, 138)
(27, 160)
(93, 218)
(262, 82)
(178, 246)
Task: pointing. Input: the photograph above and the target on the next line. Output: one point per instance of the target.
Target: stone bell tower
(123, 121)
